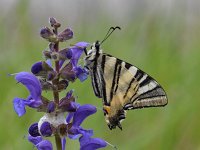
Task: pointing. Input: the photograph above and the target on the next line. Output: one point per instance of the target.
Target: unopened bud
(65, 35)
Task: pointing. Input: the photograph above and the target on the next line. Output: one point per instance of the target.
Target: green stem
(58, 142)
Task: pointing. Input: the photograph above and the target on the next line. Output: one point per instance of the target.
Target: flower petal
(82, 44)
(31, 83)
(69, 117)
(77, 51)
(81, 73)
(40, 143)
(34, 140)
(33, 130)
(32, 103)
(83, 112)
(88, 143)
(44, 145)
(51, 107)
(19, 106)
(74, 132)
(45, 129)
(37, 67)
(63, 143)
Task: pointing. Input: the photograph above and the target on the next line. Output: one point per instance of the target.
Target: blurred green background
(161, 37)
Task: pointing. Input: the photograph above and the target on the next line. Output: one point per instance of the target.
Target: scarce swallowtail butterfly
(121, 85)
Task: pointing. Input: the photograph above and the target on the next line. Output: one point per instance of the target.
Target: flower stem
(58, 142)
(56, 93)
(57, 68)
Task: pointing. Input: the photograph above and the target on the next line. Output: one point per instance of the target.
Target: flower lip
(19, 106)
(88, 143)
(83, 112)
(77, 51)
(44, 145)
(31, 83)
(40, 143)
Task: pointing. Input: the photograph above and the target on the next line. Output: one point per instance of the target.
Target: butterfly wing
(122, 86)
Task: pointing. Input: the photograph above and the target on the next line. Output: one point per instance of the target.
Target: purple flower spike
(19, 106)
(88, 143)
(45, 129)
(31, 83)
(83, 112)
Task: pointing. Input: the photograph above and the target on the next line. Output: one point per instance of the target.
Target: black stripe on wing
(115, 77)
(155, 92)
(95, 77)
(139, 74)
(118, 76)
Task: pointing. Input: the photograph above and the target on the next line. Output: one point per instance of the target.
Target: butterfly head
(113, 121)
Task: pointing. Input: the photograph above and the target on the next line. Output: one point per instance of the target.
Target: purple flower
(82, 113)
(34, 87)
(88, 143)
(81, 73)
(40, 143)
(77, 51)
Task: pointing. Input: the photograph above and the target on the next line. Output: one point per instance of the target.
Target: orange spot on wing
(107, 109)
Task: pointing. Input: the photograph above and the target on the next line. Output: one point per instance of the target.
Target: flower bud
(67, 73)
(47, 54)
(47, 34)
(54, 23)
(62, 85)
(65, 54)
(51, 107)
(65, 35)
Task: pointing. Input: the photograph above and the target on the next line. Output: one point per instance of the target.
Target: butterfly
(121, 86)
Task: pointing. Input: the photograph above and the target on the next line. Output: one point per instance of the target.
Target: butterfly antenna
(110, 31)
